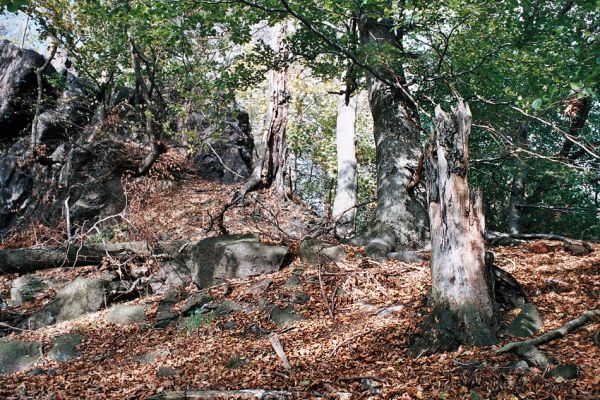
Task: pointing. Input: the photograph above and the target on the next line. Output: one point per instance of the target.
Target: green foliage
(198, 319)
(13, 5)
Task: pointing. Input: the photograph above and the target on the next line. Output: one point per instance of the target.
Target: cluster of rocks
(85, 144)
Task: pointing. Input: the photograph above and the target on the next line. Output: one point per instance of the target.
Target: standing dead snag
(463, 309)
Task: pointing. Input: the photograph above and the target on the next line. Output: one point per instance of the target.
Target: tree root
(553, 334)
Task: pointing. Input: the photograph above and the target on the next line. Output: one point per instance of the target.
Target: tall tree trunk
(346, 197)
(461, 298)
(270, 169)
(517, 190)
(401, 215)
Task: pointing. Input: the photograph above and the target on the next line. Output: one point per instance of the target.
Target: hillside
(352, 323)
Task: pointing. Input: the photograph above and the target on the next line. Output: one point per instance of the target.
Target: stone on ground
(526, 323)
(125, 314)
(64, 347)
(221, 258)
(18, 355)
(314, 252)
(80, 297)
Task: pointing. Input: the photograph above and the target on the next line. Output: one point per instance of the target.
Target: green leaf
(537, 103)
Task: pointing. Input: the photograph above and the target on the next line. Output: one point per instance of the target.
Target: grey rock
(228, 157)
(234, 256)
(227, 307)
(293, 282)
(64, 347)
(166, 372)
(124, 314)
(195, 301)
(261, 287)
(18, 84)
(164, 315)
(82, 296)
(27, 288)
(230, 325)
(36, 372)
(313, 252)
(407, 256)
(150, 358)
(284, 316)
(526, 323)
(520, 365)
(533, 356)
(565, 371)
(300, 297)
(18, 355)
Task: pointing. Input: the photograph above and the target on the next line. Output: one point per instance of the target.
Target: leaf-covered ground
(357, 353)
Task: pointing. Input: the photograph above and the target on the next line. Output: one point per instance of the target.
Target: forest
(298, 199)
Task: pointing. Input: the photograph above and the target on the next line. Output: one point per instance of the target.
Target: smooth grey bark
(461, 294)
(401, 215)
(346, 196)
(517, 190)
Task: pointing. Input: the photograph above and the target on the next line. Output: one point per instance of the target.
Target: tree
(271, 167)
(346, 194)
(461, 295)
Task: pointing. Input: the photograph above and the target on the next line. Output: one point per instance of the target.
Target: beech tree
(346, 194)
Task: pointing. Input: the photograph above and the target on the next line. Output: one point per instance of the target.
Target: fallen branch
(554, 334)
(276, 344)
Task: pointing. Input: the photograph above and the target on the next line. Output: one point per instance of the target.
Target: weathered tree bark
(346, 194)
(31, 259)
(517, 190)
(401, 215)
(461, 298)
(270, 169)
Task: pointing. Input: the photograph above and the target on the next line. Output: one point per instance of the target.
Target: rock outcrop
(216, 259)
(227, 157)
(82, 296)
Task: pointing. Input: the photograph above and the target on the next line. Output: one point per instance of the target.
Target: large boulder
(17, 355)
(82, 296)
(18, 88)
(234, 256)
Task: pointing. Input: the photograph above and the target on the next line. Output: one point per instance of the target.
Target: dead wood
(31, 259)
(553, 334)
(573, 247)
(276, 344)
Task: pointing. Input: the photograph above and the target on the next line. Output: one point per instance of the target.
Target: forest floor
(344, 347)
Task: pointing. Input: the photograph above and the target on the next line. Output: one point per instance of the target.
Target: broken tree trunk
(31, 259)
(270, 168)
(463, 308)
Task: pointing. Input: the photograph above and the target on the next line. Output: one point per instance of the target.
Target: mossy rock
(64, 347)
(526, 323)
(18, 355)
